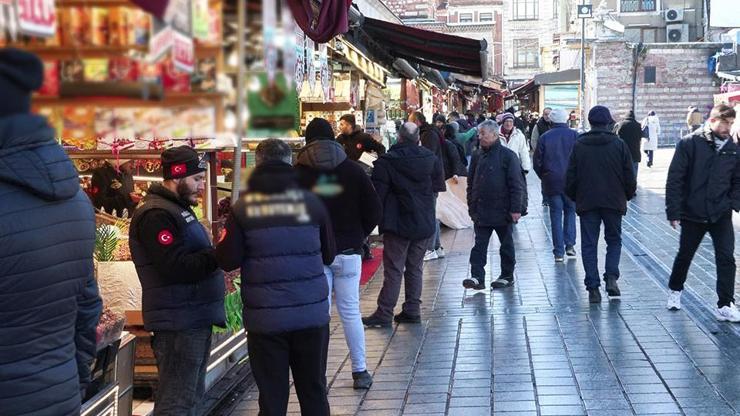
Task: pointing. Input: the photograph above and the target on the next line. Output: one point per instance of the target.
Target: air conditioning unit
(673, 15)
(677, 33)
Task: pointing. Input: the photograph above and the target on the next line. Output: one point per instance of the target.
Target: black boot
(594, 295)
(612, 289)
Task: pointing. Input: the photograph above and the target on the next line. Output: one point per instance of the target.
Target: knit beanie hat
(20, 74)
(318, 129)
(559, 116)
(181, 162)
(600, 116)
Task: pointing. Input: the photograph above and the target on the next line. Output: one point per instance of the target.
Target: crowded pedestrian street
(539, 347)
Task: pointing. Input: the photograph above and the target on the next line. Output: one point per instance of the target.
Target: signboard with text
(37, 17)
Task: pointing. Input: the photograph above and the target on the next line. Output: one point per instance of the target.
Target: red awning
(435, 50)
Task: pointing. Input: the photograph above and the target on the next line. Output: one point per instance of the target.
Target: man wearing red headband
(183, 288)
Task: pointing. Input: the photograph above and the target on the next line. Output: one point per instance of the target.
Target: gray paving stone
(562, 410)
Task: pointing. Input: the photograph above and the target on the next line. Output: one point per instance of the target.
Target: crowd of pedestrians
(298, 230)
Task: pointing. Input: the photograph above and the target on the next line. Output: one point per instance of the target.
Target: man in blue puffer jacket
(49, 302)
(281, 236)
(551, 164)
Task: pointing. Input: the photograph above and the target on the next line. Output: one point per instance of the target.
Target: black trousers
(723, 239)
(479, 253)
(303, 352)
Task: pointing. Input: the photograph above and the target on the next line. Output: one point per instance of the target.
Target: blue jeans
(182, 360)
(562, 223)
(435, 243)
(590, 228)
(635, 167)
(344, 278)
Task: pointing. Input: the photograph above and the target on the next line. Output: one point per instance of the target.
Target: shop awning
(730, 75)
(525, 88)
(371, 70)
(423, 47)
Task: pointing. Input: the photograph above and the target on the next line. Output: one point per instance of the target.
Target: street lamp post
(585, 11)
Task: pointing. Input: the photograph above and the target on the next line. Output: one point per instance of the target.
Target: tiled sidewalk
(539, 348)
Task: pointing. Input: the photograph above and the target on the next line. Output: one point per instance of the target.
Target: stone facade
(445, 17)
(539, 31)
(412, 9)
(681, 80)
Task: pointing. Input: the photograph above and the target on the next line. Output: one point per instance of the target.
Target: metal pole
(582, 99)
(241, 99)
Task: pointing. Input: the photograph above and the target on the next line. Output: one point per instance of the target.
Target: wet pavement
(538, 348)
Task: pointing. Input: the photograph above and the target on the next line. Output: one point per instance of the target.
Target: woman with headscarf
(651, 140)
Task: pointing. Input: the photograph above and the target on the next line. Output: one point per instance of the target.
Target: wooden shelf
(93, 3)
(170, 100)
(72, 52)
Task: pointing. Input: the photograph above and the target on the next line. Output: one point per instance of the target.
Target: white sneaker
(430, 255)
(440, 253)
(727, 313)
(674, 300)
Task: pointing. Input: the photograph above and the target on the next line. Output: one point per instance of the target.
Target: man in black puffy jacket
(182, 286)
(49, 300)
(282, 238)
(495, 198)
(406, 179)
(702, 189)
(355, 210)
(630, 131)
(600, 180)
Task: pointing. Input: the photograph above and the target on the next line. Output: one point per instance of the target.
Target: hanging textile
(331, 21)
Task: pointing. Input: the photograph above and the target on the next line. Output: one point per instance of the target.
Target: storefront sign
(183, 53)
(37, 17)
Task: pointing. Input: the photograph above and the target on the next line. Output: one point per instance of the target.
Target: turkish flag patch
(179, 169)
(165, 238)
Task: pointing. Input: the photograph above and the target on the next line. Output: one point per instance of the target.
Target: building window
(638, 5)
(649, 75)
(526, 9)
(486, 17)
(526, 53)
(466, 17)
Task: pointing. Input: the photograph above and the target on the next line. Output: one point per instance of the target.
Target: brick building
(473, 19)
(670, 78)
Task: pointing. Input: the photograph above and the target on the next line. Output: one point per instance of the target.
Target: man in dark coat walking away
(432, 138)
(182, 286)
(495, 197)
(551, 164)
(406, 179)
(702, 190)
(282, 238)
(354, 140)
(600, 180)
(49, 300)
(630, 131)
(354, 209)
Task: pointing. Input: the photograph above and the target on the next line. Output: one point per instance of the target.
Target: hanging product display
(311, 69)
(332, 20)
(289, 47)
(325, 72)
(269, 25)
(37, 17)
(300, 59)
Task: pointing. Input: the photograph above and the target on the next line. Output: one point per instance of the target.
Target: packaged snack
(99, 26)
(50, 86)
(123, 69)
(117, 26)
(72, 71)
(77, 129)
(204, 77)
(172, 79)
(96, 70)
